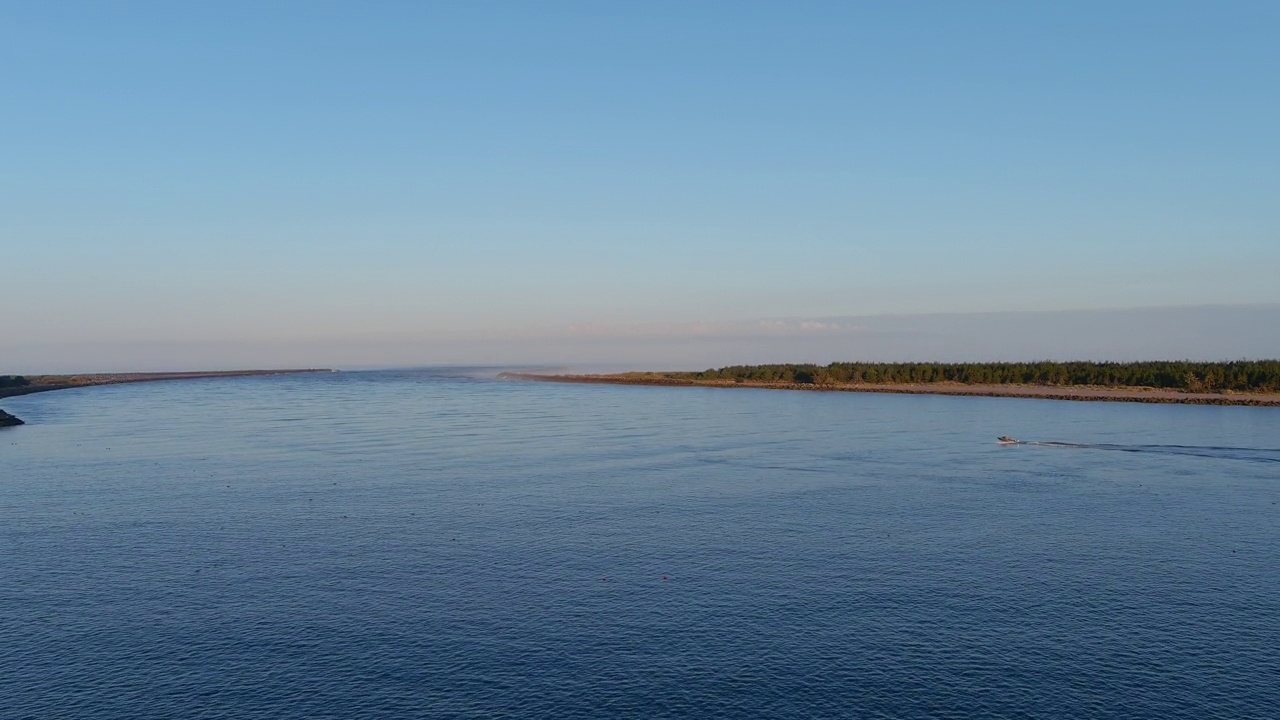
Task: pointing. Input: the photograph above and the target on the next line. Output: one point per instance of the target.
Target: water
(445, 544)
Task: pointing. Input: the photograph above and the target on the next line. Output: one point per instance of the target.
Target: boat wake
(1221, 452)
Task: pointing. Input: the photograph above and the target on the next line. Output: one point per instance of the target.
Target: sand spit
(1044, 392)
(46, 383)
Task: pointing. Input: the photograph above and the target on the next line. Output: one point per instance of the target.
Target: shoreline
(1039, 392)
(49, 383)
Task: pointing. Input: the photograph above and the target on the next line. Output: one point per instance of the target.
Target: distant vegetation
(1241, 375)
(10, 381)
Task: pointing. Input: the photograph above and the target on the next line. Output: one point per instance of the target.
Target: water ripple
(439, 543)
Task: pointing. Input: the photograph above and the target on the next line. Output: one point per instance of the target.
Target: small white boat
(1006, 440)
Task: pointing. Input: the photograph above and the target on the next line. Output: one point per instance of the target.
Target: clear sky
(223, 183)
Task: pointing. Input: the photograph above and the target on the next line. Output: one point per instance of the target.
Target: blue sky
(417, 178)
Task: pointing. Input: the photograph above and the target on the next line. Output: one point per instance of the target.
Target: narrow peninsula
(11, 385)
(1241, 382)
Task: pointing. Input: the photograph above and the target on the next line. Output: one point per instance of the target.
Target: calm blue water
(442, 543)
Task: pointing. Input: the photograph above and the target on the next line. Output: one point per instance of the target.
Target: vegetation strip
(1244, 382)
(1185, 375)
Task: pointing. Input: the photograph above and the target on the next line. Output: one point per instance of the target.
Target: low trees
(1238, 375)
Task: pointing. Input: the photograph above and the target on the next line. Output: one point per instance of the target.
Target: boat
(1006, 440)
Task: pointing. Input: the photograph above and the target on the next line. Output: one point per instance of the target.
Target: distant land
(11, 385)
(1241, 382)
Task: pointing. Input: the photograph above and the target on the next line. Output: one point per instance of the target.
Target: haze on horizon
(665, 184)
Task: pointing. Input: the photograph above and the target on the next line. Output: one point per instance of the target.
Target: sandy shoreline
(47, 383)
(1043, 392)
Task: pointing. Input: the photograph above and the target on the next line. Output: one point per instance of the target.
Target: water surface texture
(442, 543)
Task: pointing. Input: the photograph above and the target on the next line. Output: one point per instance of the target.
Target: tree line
(1238, 375)
(8, 381)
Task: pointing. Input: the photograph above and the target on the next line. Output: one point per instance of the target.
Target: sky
(210, 185)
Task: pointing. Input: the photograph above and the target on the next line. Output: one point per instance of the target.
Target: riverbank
(47, 383)
(1043, 392)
